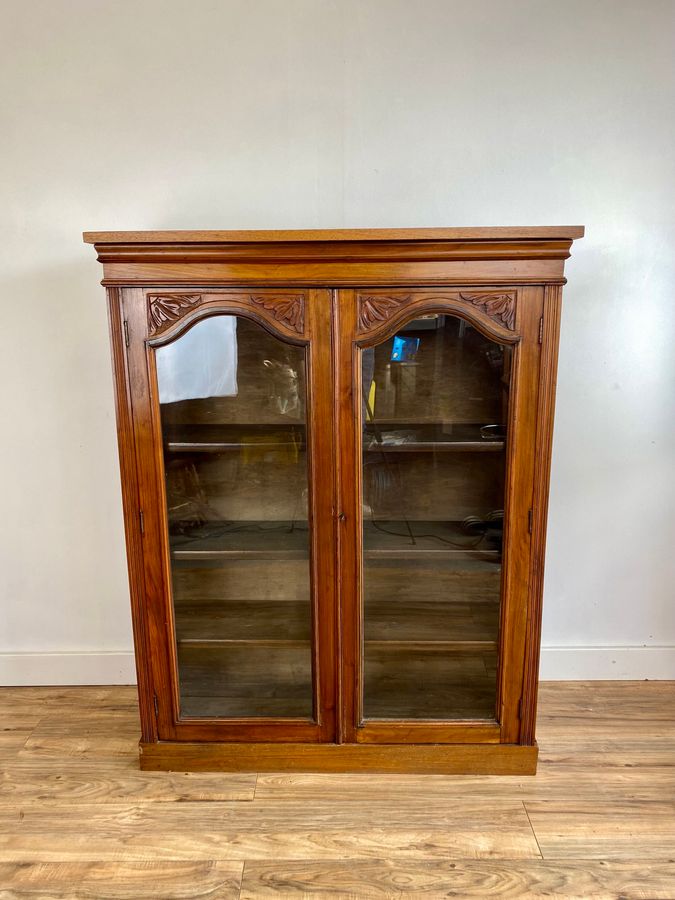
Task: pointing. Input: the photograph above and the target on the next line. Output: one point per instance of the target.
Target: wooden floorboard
(121, 880)
(84, 781)
(522, 879)
(267, 829)
(552, 782)
(610, 830)
(78, 819)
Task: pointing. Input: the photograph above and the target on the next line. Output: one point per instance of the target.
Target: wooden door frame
(364, 318)
(301, 317)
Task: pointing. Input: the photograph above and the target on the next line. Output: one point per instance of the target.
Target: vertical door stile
(519, 492)
(150, 489)
(348, 515)
(119, 334)
(338, 515)
(549, 330)
(323, 523)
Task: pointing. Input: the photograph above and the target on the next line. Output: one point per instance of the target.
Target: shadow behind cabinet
(335, 452)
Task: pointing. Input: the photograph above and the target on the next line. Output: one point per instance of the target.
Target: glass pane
(233, 424)
(434, 414)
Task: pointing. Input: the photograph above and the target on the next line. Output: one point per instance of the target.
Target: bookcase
(335, 449)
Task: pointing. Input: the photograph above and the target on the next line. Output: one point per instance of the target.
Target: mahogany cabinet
(335, 455)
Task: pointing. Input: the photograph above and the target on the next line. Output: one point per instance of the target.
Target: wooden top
(544, 232)
(341, 257)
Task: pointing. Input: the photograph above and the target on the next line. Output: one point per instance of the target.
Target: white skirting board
(557, 664)
(67, 667)
(656, 663)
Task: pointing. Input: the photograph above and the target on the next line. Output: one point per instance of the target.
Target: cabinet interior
(433, 449)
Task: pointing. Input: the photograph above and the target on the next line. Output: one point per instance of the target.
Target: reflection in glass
(434, 417)
(232, 401)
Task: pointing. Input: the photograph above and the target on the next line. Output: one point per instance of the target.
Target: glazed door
(232, 403)
(438, 399)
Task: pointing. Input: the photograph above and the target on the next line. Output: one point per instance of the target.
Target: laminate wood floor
(79, 820)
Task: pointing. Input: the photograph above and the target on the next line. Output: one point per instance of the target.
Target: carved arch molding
(376, 309)
(288, 310)
(166, 309)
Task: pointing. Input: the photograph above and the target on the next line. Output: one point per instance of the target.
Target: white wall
(255, 114)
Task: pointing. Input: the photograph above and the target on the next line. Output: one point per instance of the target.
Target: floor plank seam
(241, 879)
(534, 833)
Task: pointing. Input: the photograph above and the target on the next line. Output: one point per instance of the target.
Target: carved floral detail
(373, 310)
(287, 309)
(166, 308)
(500, 307)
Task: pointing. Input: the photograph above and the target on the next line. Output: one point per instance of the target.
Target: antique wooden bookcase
(335, 454)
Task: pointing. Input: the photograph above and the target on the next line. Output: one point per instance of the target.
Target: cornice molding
(464, 257)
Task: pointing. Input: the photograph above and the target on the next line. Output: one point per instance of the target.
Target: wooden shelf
(427, 623)
(287, 540)
(389, 623)
(242, 540)
(242, 621)
(223, 438)
(439, 540)
(428, 438)
(410, 437)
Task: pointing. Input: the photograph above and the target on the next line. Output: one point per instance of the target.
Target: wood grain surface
(500, 233)
(359, 257)
(78, 820)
